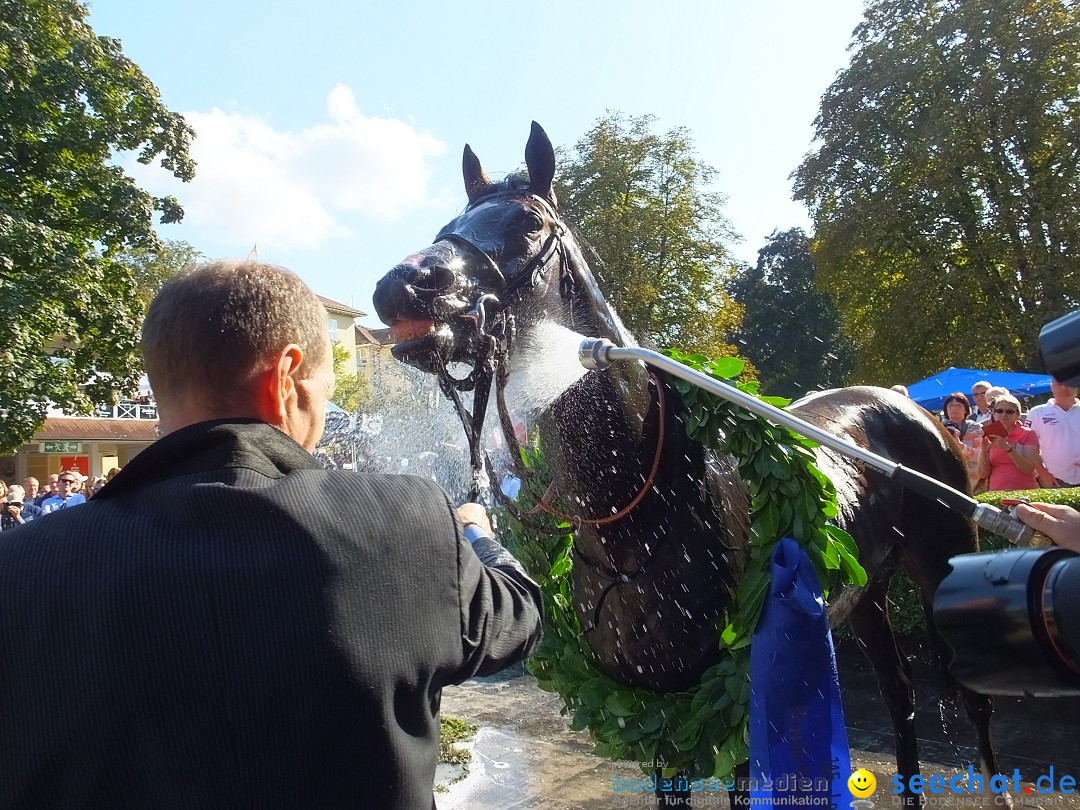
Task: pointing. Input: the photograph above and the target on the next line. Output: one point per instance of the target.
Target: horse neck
(605, 414)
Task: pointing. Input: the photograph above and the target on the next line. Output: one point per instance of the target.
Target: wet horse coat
(652, 584)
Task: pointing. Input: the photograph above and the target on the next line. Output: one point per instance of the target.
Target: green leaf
(622, 704)
(727, 368)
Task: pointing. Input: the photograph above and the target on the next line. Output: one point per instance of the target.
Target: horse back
(893, 527)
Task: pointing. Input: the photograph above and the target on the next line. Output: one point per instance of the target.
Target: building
(373, 357)
(340, 320)
(95, 444)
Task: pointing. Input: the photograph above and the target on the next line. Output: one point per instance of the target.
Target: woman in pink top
(1009, 461)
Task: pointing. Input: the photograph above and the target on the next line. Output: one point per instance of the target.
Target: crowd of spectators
(1007, 449)
(22, 503)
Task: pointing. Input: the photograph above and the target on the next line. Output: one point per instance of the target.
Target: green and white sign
(63, 447)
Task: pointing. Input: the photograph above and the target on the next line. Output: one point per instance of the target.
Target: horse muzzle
(430, 306)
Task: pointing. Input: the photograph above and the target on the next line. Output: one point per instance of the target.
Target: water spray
(598, 353)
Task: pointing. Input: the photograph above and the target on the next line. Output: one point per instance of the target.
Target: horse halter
(496, 331)
(536, 268)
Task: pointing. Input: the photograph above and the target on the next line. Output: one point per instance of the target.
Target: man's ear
(277, 388)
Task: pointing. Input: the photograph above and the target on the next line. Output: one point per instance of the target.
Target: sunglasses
(1004, 410)
(71, 481)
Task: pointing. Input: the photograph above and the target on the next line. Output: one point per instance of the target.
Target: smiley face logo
(861, 783)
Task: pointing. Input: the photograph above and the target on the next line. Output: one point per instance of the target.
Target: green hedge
(905, 607)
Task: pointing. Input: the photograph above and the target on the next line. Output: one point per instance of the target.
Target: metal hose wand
(598, 353)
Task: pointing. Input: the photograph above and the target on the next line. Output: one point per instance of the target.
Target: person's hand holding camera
(1058, 522)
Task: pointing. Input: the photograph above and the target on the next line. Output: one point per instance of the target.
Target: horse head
(509, 253)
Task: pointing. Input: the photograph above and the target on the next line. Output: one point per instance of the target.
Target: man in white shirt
(1057, 424)
(980, 410)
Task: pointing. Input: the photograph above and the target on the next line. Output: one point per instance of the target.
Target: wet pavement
(525, 756)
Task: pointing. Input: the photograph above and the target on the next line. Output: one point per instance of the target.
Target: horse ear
(540, 158)
(476, 181)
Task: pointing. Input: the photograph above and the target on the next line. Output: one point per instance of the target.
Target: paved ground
(526, 757)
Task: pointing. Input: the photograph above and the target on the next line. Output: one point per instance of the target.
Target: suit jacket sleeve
(500, 608)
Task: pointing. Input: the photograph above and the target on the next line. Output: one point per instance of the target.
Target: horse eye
(530, 221)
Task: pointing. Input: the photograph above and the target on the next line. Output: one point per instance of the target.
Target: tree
(151, 266)
(70, 102)
(660, 234)
(351, 392)
(945, 185)
(790, 330)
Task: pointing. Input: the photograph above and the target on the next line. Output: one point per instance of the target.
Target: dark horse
(650, 582)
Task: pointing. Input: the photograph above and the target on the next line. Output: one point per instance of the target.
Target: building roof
(70, 428)
(335, 306)
(374, 337)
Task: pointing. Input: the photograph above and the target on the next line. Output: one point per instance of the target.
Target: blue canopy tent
(931, 392)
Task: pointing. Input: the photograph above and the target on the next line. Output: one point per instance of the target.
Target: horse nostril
(432, 278)
(442, 276)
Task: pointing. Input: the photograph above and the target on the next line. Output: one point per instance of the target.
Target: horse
(660, 521)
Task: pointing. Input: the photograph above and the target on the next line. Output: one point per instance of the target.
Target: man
(66, 495)
(227, 624)
(29, 510)
(11, 509)
(47, 491)
(30, 487)
(981, 411)
(1057, 424)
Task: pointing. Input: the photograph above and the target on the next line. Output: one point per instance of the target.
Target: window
(333, 324)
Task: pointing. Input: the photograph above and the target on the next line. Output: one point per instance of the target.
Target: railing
(128, 410)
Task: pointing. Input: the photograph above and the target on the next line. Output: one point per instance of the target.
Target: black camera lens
(1061, 612)
(1012, 619)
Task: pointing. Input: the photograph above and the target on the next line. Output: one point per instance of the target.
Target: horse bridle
(536, 268)
(497, 336)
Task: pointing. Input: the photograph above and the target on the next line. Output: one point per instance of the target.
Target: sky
(329, 134)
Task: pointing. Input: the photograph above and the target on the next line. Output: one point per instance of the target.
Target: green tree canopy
(152, 265)
(70, 103)
(644, 203)
(945, 183)
(352, 392)
(791, 330)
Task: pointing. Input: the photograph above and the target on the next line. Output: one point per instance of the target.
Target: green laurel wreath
(702, 731)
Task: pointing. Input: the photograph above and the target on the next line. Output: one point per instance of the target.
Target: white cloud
(287, 189)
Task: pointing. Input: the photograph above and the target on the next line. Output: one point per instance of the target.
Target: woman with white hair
(1009, 461)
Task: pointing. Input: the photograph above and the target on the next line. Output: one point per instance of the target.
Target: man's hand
(1058, 522)
(475, 513)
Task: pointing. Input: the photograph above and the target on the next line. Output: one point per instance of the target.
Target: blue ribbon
(798, 743)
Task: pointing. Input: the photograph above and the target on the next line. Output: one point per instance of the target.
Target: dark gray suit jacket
(228, 625)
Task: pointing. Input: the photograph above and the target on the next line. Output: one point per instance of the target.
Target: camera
(1012, 618)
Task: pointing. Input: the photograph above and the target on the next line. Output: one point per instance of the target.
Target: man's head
(1064, 395)
(978, 395)
(50, 484)
(239, 339)
(31, 487)
(66, 484)
(15, 496)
